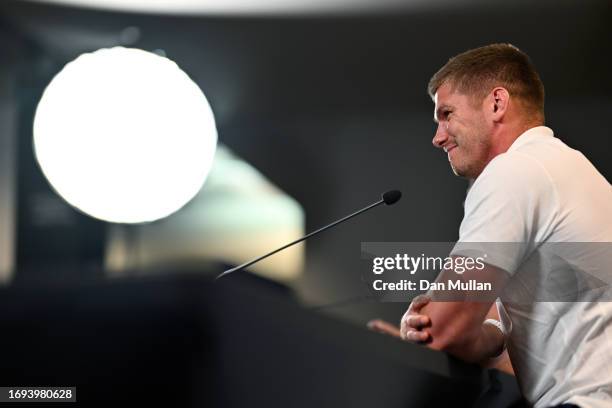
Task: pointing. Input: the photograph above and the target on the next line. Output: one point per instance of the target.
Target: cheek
(459, 134)
(453, 129)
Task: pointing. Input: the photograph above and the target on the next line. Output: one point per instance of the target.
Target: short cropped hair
(476, 72)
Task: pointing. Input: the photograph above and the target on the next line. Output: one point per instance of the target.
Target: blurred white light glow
(124, 135)
(245, 7)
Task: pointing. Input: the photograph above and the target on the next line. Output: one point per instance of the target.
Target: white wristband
(499, 326)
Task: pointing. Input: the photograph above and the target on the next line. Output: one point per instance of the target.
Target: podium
(184, 341)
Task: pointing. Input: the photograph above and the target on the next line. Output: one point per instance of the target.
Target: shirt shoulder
(512, 177)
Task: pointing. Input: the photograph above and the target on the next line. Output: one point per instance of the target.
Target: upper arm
(504, 212)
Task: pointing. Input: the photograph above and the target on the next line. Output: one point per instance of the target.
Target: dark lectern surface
(185, 341)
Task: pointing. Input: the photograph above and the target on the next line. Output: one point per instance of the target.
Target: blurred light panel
(238, 215)
(124, 135)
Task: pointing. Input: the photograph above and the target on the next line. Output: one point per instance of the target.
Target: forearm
(485, 342)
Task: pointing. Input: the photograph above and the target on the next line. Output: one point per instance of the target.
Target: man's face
(462, 132)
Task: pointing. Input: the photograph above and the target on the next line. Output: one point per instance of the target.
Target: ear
(497, 103)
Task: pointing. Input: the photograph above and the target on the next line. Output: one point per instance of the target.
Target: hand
(411, 326)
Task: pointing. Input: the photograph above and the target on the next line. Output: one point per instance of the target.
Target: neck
(505, 135)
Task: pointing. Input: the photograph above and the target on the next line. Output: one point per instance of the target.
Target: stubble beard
(474, 148)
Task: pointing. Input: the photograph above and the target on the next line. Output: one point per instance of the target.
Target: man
(542, 198)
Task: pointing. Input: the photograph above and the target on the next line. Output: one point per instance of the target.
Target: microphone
(388, 198)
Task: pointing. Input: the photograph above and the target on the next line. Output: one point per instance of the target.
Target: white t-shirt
(556, 208)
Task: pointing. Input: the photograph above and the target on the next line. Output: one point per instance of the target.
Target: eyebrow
(439, 111)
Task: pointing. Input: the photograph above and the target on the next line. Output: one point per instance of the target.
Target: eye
(446, 114)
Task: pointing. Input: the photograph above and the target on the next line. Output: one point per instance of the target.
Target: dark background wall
(332, 109)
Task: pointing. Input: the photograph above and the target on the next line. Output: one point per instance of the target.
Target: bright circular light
(124, 135)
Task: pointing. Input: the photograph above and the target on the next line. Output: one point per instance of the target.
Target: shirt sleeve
(506, 211)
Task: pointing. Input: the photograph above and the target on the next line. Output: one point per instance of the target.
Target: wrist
(496, 328)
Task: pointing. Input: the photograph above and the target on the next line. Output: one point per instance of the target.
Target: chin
(462, 173)
(457, 171)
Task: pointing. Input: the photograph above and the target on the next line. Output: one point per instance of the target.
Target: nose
(441, 136)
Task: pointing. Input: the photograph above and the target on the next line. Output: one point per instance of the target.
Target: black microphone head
(392, 197)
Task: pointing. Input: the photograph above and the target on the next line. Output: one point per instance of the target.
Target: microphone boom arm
(388, 198)
(251, 262)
